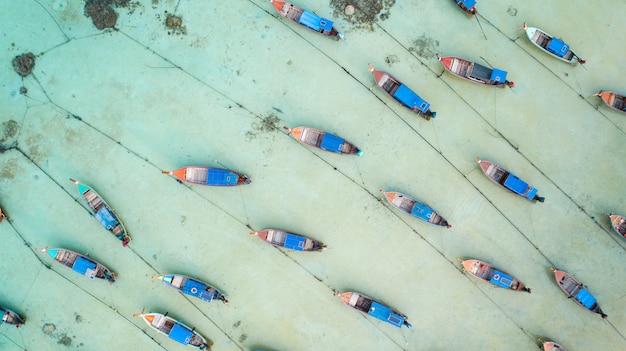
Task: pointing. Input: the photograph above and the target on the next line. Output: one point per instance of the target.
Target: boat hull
(402, 94)
(551, 45)
(306, 19)
(508, 180)
(613, 100)
(10, 317)
(323, 140)
(576, 291)
(192, 287)
(80, 264)
(474, 72)
(289, 241)
(619, 224)
(201, 175)
(102, 212)
(493, 275)
(175, 330)
(552, 346)
(414, 208)
(373, 308)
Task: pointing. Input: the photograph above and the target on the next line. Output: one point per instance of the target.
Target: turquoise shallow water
(114, 108)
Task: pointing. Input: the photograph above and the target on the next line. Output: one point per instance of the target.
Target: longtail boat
(401, 93)
(103, 212)
(192, 287)
(475, 72)
(10, 317)
(576, 291)
(509, 181)
(553, 46)
(409, 205)
(468, 6)
(80, 264)
(209, 176)
(174, 329)
(552, 346)
(613, 100)
(306, 19)
(496, 276)
(289, 241)
(323, 140)
(374, 308)
(619, 224)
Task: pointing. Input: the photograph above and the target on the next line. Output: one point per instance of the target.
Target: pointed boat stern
(345, 297)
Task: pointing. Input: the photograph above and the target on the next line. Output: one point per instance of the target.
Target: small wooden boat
(468, 6)
(553, 46)
(374, 308)
(509, 181)
(103, 212)
(192, 287)
(577, 291)
(493, 275)
(306, 19)
(397, 90)
(613, 100)
(174, 329)
(80, 264)
(619, 224)
(552, 346)
(3, 215)
(10, 317)
(415, 208)
(322, 140)
(209, 176)
(290, 241)
(475, 72)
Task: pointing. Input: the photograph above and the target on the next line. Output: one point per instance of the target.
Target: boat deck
(312, 137)
(94, 201)
(196, 174)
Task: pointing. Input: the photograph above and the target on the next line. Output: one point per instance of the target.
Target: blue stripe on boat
(467, 3)
(294, 242)
(422, 211)
(217, 176)
(501, 279)
(585, 298)
(384, 313)
(83, 265)
(332, 143)
(315, 22)
(106, 218)
(531, 194)
(181, 334)
(517, 185)
(557, 47)
(195, 288)
(409, 98)
(498, 75)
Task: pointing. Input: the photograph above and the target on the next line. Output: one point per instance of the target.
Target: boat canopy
(557, 47)
(385, 313)
(85, 266)
(515, 184)
(422, 211)
(409, 98)
(294, 242)
(195, 288)
(315, 22)
(106, 218)
(498, 75)
(181, 334)
(217, 176)
(332, 143)
(467, 3)
(501, 279)
(585, 298)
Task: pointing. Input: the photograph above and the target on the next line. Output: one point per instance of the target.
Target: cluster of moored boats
(201, 175)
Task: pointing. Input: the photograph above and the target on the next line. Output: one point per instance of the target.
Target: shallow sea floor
(114, 107)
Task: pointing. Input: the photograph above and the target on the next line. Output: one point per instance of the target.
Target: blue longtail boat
(551, 45)
(494, 275)
(374, 308)
(174, 329)
(80, 264)
(415, 208)
(306, 19)
(576, 291)
(10, 317)
(103, 212)
(192, 287)
(209, 176)
(508, 180)
(289, 241)
(323, 140)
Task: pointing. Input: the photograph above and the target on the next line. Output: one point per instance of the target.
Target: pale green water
(149, 101)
